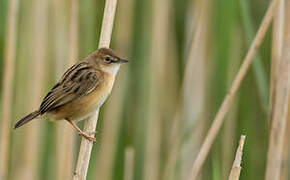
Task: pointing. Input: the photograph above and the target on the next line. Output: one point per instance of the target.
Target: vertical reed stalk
(7, 85)
(91, 123)
(73, 31)
(34, 132)
(129, 163)
(219, 118)
(277, 43)
(194, 85)
(280, 103)
(169, 99)
(236, 168)
(191, 96)
(65, 134)
(63, 148)
(72, 56)
(157, 63)
(285, 154)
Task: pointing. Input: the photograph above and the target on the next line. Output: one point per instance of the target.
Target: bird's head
(107, 60)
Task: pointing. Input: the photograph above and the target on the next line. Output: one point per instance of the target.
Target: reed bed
(236, 83)
(198, 77)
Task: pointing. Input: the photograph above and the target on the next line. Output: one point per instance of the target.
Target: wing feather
(78, 81)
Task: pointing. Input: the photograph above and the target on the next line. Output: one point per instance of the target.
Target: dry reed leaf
(236, 168)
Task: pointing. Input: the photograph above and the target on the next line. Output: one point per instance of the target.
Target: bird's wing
(78, 81)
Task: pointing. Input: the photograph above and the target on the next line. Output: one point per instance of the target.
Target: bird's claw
(88, 137)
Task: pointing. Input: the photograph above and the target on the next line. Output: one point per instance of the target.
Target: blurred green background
(183, 57)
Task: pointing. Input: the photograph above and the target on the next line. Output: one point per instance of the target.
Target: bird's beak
(122, 61)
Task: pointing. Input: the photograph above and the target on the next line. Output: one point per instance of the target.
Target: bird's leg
(81, 132)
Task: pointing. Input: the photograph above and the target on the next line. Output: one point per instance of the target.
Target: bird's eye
(108, 59)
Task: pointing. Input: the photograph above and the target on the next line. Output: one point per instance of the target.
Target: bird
(81, 91)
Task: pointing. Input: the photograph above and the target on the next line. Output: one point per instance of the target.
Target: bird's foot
(88, 137)
(92, 133)
(82, 133)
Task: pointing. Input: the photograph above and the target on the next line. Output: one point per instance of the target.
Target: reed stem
(236, 168)
(91, 123)
(280, 96)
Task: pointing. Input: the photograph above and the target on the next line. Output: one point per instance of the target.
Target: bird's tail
(26, 119)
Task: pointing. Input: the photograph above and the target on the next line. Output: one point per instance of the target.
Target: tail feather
(26, 119)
